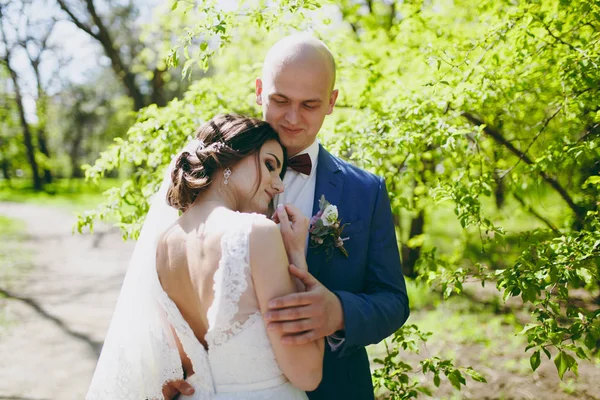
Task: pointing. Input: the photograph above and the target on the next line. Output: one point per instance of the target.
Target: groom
(352, 301)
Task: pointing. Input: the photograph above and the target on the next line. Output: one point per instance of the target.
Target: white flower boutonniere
(326, 228)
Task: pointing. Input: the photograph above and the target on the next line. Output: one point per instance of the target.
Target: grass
(9, 229)
(72, 194)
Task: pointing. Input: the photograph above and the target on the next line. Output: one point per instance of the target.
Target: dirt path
(60, 310)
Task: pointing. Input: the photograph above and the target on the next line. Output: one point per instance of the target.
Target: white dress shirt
(299, 189)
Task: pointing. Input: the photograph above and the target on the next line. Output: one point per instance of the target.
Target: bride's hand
(294, 229)
(172, 389)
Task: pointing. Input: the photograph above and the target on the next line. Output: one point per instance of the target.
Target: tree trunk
(41, 108)
(417, 227)
(76, 171)
(75, 150)
(5, 165)
(41, 136)
(410, 256)
(27, 139)
(158, 86)
(121, 70)
(500, 189)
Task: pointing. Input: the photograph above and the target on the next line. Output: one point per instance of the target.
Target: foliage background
(483, 118)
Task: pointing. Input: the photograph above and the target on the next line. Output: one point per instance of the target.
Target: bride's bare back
(187, 258)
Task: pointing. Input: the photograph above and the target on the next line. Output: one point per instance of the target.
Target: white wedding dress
(239, 363)
(140, 350)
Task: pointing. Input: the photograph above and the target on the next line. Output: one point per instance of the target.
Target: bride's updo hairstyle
(222, 142)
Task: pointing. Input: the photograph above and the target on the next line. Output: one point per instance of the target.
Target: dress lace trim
(229, 284)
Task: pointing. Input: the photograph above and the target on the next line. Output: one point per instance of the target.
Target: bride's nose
(278, 185)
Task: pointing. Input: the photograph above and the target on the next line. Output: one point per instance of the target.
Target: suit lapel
(329, 183)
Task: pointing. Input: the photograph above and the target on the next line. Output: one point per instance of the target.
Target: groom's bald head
(301, 49)
(297, 89)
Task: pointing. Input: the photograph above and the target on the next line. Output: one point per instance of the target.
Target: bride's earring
(226, 175)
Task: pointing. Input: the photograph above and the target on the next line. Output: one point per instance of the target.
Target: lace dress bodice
(239, 362)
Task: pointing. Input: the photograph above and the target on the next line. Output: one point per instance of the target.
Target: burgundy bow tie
(301, 163)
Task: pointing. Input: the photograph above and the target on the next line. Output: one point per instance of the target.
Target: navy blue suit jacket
(369, 283)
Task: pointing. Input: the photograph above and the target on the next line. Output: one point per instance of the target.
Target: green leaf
(547, 352)
(592, 180)
(436, 380)
(581, 353)
(425, 390)
(527, 328)
(456, 379)
(590, 341)
(475, 375)
(564, 363)
(534, 360)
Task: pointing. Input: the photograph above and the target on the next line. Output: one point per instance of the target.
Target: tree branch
(497, 136)
(569, 45)
(76, 21)
(104, 38)
(533, 212)
(544, 126)
(589, 132)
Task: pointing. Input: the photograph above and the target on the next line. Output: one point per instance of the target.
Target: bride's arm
(172, 389)
(301, 364)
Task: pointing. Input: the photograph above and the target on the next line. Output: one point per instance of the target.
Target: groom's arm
(382, 307)
(349, 320)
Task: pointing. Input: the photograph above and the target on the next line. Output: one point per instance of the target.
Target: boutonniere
(326, 228)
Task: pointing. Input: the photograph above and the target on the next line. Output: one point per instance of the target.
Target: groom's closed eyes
(281, 99)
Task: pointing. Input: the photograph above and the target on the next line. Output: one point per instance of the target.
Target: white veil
(140, 353)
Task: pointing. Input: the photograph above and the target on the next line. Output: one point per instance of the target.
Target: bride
(200, 279)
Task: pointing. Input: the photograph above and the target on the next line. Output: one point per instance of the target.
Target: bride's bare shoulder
(265, 237)
(171, 247)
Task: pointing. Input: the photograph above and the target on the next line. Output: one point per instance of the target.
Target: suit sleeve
(382, 307)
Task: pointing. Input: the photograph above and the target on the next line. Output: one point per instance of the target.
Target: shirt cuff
(336, 340)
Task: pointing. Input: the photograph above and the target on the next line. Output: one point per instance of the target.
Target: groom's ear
(258, 91)
(332, 99)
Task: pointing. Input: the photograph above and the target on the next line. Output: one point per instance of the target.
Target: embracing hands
(314, 312)
(306, 316)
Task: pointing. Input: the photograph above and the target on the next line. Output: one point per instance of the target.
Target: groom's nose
(292, 115)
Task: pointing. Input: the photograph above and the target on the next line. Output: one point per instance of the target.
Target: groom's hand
(307, 316)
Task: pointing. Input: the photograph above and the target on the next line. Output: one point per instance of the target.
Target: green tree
(456, 105)
(86, 118)
(35, 43)
(9, 45)
(10, 148)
